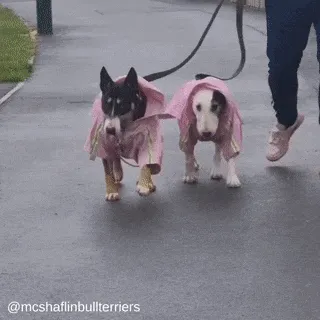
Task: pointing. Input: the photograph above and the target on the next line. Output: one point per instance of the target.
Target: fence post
(44, 17)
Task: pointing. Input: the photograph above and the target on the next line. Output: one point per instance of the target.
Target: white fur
(112, 123)
(232, 178)
(192, 167)
(207, 121)
(216, 172)
(143, 191)
(113, 196)
(191, 174)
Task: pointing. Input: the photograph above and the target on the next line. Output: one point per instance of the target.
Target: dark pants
(288, 28)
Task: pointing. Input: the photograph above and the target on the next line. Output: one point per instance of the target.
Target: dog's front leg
(191, 169)
(112, 192)
(117, 170)
(232, 178)
(216, 173)
(145, 185)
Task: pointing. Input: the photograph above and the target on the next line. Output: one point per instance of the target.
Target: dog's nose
(111, 131)
(206, 134)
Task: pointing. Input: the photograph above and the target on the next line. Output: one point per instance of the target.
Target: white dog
(206, 111)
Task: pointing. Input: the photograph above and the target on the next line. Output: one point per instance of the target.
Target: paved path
(187, 252)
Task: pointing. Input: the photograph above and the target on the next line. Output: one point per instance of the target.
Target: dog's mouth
(111, 131)
(207, 135)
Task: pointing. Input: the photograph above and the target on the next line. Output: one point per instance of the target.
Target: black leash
(239, 24)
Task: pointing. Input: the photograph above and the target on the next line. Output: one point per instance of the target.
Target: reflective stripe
(149, 147)
(234, 145)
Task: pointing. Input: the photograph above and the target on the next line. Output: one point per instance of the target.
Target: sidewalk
(187, 252)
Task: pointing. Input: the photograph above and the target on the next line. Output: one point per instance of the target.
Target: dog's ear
(105, 80)
(132, 79)
(219, 98)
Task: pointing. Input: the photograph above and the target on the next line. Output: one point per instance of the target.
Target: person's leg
(317, 28)
(288, 28)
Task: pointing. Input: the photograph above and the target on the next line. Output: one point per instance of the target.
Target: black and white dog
(126, 124)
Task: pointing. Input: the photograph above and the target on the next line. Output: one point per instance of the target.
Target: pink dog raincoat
(142, 141)
(229, 132)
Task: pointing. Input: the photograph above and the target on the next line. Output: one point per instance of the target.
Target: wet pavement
(186, 252)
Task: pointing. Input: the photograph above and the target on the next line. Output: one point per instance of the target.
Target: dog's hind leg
(117, 170)
(232, 178)
(216, 173)
(112, 192)
(145, 185)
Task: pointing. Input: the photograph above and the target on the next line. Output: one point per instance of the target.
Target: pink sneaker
(279, 140)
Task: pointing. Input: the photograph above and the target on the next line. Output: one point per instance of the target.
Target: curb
(11, 92)
(33, 35)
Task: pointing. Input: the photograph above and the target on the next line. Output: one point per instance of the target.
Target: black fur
(218, 102)
(121, 99)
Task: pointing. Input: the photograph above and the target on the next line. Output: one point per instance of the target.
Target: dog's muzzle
(206, 136)
(117, 125)
(112, 126)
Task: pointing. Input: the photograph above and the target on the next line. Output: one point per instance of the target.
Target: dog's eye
(109, 100)
(198, 107)
(118, 101)
(214, 107)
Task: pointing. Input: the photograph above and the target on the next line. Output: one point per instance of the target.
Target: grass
(16, 48)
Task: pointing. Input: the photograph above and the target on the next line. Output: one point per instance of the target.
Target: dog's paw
(145, 191)
(190, 179)
(216, 174)
(196, 166)
(233, 181)
(112, 196)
